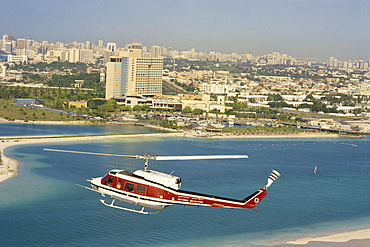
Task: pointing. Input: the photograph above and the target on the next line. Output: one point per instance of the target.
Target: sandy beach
(351, 238)
(9, 167)
(76, 122)
(361, 237)
(274, 136)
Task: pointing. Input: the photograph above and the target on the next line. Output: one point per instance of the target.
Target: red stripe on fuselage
(158, 193)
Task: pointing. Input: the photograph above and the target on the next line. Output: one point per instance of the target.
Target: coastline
(9, 167)
(76, 122)
(358, 237)
(278, 136)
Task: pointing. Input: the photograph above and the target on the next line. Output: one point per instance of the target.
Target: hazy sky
(301, 28)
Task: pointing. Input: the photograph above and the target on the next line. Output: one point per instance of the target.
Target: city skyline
(301, 28)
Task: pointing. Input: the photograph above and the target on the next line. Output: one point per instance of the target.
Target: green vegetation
(186, 110)
(53, 94)
(90, 81)
(264, 130)
(143, 108)
(61, 74)
(65, 75)
(187, 88)
(55, 66)
(169, 124)
(12, 111)
(197, 111)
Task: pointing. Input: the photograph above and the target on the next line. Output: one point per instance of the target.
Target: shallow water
(43, 207)
(12, 129)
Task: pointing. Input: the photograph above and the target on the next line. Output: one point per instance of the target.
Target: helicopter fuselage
(157, 190)
(151, 189)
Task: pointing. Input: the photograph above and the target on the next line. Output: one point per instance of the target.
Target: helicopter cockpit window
(104, 180)
(129, 187)
(140, 189)
(107, 180)
(110, 181)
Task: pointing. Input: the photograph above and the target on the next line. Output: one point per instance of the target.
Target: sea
(43, 206)
(12, 129)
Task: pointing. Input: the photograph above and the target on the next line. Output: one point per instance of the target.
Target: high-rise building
(111, 47)
(331, 61)
(113, 87)
(29, 43)
(59, 45)
(21, 43)
(155, 51)
(87, 56)
(133, 74)
(74, 55)
(88, 45)
(8, 47)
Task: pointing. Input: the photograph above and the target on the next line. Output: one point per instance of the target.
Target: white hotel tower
(133, 74)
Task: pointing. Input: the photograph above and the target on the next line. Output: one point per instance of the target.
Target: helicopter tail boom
(254, 199)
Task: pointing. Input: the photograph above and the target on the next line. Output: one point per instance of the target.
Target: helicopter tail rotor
(273, 176)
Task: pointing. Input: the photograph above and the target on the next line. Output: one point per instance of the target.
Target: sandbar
(9, 167)
(360, 237)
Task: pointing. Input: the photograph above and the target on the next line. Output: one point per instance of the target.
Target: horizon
(300, 28)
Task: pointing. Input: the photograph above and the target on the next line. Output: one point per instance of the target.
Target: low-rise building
(77, 104)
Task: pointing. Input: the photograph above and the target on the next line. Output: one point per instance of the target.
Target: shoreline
(9, 167)
(352, 237)
(71, 122)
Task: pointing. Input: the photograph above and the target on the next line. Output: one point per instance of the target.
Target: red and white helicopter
(157, 190)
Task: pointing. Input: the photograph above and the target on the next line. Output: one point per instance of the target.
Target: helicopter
(156, 190)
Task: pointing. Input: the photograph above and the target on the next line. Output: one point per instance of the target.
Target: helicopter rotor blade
(79, 152)
(147, 157)
(200, 157)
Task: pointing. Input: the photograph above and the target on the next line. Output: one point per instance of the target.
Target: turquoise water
(42, 206)
(11, 129)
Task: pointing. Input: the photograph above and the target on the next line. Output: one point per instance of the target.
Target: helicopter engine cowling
(160, 178)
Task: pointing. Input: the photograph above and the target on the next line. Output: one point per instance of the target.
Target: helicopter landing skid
(127, 209)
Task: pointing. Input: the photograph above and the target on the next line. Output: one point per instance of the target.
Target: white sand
(273, 136)
(9, 167)
(336, 237)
